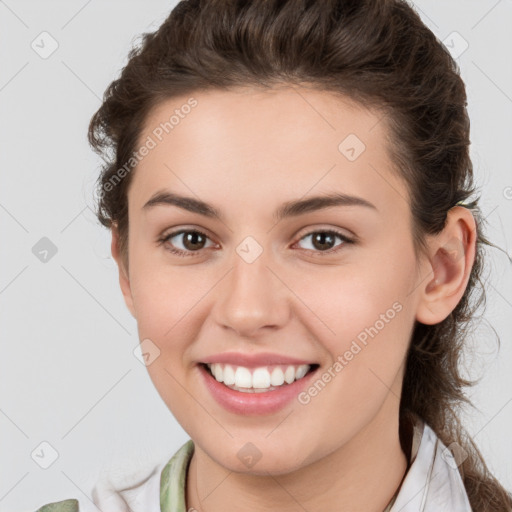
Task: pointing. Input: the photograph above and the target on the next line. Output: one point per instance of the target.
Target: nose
(252, 298)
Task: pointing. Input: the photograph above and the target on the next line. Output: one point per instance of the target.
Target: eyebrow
(288, 209)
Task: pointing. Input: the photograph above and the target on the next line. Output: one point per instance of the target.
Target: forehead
(284, 141)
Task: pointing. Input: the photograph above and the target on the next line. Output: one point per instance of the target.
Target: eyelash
(183, 254)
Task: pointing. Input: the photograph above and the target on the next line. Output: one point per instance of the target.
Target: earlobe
(124, 278)
(453, 255)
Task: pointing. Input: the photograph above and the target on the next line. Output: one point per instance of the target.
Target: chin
(249, 459)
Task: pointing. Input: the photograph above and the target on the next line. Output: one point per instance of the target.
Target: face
(331, 285)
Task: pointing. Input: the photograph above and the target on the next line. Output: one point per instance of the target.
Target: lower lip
(266, 402)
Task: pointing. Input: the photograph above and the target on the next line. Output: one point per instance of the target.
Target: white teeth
(218, 373)
(277, 377)
(301, 371)
(243, 378)
(262, 378)
(229, 375)
(289, 374)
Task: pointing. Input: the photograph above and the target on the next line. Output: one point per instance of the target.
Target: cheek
(164, 295)
(366, 354)
(346, 300)
(364, 316)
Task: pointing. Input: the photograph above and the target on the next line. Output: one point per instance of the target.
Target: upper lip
(253, 360)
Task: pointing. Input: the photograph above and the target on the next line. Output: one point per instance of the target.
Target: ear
(446, 275)
(124, 278)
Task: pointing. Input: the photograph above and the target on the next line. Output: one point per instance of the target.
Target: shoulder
(130, 492)
(61, 506)
(137, 491)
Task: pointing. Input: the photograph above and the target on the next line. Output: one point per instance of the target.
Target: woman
(287, 184)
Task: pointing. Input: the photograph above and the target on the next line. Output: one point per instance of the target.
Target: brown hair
(377, 52)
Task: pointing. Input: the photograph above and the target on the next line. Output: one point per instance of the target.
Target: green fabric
(173, 480)
(61, 506)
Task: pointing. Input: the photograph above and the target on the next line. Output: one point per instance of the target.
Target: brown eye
(324, 241)
(193, 240)
(190, 240)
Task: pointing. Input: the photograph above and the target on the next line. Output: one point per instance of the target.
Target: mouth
(262, 379)
(256, 391)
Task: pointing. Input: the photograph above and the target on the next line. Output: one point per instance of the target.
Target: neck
(360, 476)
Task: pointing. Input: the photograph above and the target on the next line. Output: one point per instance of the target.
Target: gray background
(69, 375)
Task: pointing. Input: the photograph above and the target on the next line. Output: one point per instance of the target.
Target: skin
(246, 153)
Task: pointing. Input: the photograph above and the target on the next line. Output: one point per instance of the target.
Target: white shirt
(432, 484)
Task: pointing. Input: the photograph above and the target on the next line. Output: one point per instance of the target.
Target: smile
(255, 391)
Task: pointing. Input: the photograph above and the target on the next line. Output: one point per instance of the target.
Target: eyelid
(171, 232)
(342, 232)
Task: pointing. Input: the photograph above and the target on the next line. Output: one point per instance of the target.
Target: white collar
(433, 482)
